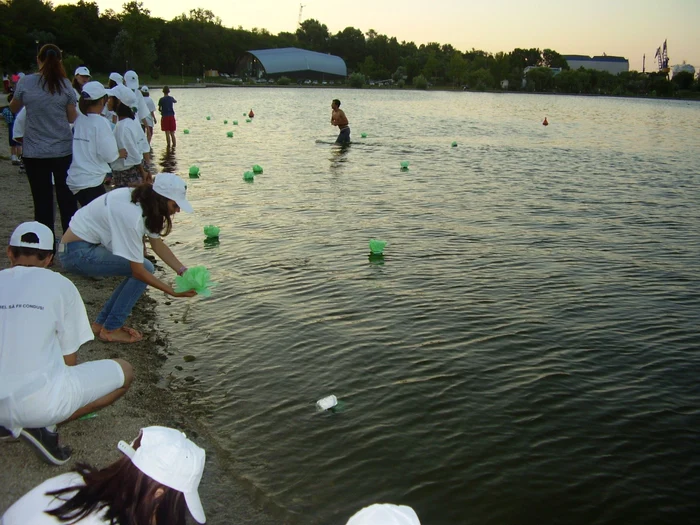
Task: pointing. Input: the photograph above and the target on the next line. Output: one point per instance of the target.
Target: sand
(150, 401)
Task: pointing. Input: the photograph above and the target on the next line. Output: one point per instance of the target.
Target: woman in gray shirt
(48, 142)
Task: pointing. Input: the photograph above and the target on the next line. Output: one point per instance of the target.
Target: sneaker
(6, 435)
(15, 160)
(21, 166)
(46, 444)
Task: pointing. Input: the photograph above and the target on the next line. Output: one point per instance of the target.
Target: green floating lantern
(249, 120)
(194, 172)
(376, 246)
(211, 232)
(235, 123)
(245, 114)
(208, 117)
(225, 121)
(186, 132)
(363, 135)
(196, 278)
(257, 169)
(229, 134)
(454, 144)
(404, 165)
(249, 176)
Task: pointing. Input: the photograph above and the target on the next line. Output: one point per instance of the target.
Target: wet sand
(150, 401)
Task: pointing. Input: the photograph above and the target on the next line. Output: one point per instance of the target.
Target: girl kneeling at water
(106, 238)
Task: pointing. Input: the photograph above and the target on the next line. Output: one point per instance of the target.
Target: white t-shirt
(142, 108)
(94, 147)
(29, 509)
(20, 124)
(110, 116)
(151, 108)
(42, 319)
(115, 222)
(131, 137)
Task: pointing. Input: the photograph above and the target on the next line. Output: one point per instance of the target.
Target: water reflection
(338, 156)
(168, 161)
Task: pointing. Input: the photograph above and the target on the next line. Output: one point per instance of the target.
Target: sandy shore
(150, 401)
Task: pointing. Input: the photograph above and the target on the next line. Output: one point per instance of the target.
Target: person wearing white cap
(115, 79)
(43, 323)
(131, 80)
(385, 514)
(155, 483)
(106, 238)
(80, 78)
(94, 146)
(129, 170)
(151, 118)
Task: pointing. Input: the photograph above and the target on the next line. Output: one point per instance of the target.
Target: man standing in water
(339, 119)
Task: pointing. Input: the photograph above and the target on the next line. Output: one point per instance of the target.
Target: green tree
(356, 80)
(313, 35)
(350, 45)
(540, 79)
(551, 58)
(420, 82)
(683, 80)
(457, 68)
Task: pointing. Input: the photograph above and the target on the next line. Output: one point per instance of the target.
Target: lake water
(526, 350)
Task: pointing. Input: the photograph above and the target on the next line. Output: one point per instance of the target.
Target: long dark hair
(52, 72)
(122, 110)
(155, 209)
(127, 496)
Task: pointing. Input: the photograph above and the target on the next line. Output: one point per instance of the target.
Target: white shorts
(51, 400)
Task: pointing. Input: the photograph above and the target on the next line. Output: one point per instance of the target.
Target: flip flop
(108, 337)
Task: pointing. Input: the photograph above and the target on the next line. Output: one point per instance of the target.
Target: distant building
(291, 62)
(678, 68)
(614, 65)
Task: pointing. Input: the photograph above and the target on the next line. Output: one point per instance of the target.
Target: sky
(628, 28)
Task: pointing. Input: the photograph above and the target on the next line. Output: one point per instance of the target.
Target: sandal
(133, 336)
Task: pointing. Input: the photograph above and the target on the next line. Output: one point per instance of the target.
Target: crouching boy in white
(43, 322)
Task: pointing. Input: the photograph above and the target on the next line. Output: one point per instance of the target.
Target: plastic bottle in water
(327, 402)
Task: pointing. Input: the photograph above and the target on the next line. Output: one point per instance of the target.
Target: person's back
(48, 132)
(166, 106)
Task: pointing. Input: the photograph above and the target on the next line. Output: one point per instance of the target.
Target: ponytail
(51, 69)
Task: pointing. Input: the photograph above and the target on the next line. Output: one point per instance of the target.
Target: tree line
(197, 41)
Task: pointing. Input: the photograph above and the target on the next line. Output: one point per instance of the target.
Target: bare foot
(120, 335)
(96, 328)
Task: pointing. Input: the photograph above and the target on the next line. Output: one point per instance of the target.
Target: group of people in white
(43, 320)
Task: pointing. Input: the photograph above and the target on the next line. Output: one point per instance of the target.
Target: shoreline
(153, 398)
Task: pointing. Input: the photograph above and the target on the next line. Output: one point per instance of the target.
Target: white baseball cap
(124, 94)
(94, 90)
(42, 231)
(82, 70)
(173, 187)
(385, 514)
(116, 77)
(144, 89)
(168, 457)
(131, 79)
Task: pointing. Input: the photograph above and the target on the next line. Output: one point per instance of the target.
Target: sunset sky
(628, 28)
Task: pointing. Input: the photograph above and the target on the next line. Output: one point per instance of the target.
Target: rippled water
(526, 351)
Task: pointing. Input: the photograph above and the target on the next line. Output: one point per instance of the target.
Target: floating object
(194, 172)
(211, 242)
(245, 114)
(186, 132)
(544, 122)
(327, 402)
(91, 415)
(363, 135)
(196, 278)
(454, 144)
(235, 123)
(257, 169)
(249, 120)
(188, 358)
(404, 165)
(211, 231)
(229, 134)
(376, 246)
(225, 121)
(251, 114)
(248, 175)
(208, 117)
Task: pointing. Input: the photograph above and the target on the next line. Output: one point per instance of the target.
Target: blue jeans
(95, 260)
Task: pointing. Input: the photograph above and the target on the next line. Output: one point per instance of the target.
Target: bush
(420, 82)
(401, 83)
(284, 81)
(356, 80)
(70, 64)
(155, 73)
